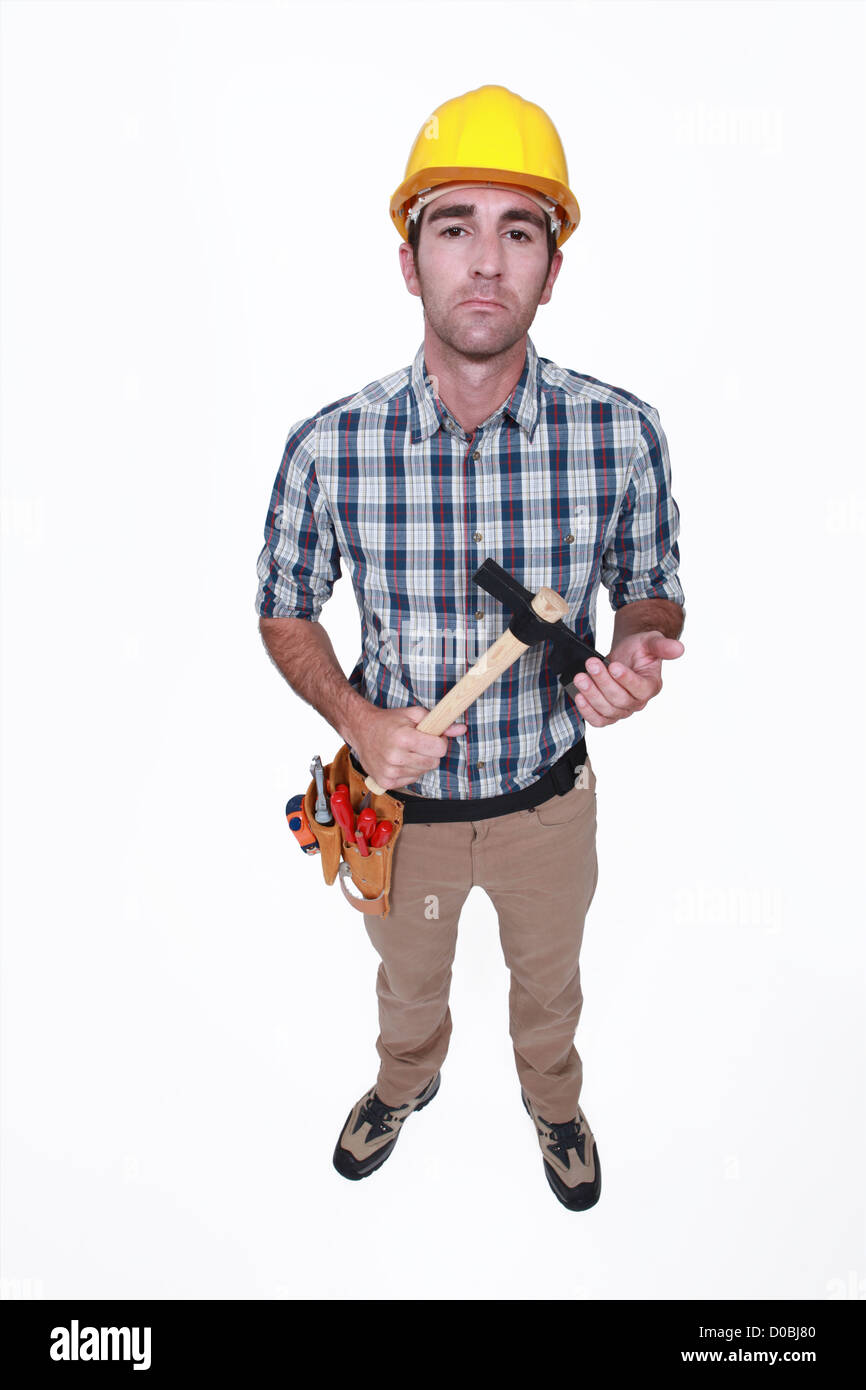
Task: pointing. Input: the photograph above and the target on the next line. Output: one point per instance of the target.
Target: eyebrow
(469, 210)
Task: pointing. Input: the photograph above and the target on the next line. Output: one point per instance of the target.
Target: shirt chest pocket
(552, 551)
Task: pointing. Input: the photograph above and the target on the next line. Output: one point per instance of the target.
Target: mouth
(481, 305)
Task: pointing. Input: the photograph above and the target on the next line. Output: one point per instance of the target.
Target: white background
(196, 253)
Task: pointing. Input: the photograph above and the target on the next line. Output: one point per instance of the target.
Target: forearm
(302, 652)
(648, 615)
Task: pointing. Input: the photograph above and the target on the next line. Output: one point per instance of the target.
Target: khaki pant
(539, 869)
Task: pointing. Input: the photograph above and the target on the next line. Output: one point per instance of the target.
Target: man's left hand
(631, 678)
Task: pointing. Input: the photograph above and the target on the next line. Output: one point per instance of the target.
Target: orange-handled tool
(300, 826)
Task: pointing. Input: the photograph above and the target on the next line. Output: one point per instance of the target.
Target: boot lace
(568, 1136)
(376, 1114)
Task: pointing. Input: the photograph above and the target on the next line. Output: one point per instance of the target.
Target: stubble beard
(446, 329)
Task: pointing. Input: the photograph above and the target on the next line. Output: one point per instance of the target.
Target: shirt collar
(523, 405)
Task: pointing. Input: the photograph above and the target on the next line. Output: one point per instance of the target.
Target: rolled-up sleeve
(300, 561)
(642, 556)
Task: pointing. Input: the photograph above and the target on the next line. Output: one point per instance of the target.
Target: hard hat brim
(431, 178)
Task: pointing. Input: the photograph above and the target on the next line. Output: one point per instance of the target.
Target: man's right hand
(392, 750)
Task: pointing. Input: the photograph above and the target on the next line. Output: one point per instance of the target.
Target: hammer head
(568, 655)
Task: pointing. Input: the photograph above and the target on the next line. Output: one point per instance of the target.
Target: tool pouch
(371, 874)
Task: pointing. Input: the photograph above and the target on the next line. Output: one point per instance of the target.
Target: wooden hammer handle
(550, 606)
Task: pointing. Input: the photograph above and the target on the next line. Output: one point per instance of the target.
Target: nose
(487, 252)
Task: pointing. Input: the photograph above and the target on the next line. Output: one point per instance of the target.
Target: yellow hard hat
(490, 135)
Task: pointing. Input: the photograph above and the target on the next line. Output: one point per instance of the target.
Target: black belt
(557, 780)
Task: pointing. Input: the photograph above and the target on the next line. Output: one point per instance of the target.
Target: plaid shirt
(566, 484)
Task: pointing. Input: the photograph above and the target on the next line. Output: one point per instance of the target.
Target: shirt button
(480, 613)
(569, 538)
(476, 536)
(476, 455)
(480, 762)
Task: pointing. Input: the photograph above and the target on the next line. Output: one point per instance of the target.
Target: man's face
(482, 269)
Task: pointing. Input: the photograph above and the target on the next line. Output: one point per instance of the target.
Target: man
(480, 448)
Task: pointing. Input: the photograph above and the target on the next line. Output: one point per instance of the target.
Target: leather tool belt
(371, 874)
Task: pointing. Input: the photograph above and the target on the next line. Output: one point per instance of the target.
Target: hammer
(535, 619)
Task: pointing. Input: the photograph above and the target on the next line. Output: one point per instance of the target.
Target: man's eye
(452, 229)
(515, 231)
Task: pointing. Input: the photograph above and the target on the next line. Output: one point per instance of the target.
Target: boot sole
(355, 1169)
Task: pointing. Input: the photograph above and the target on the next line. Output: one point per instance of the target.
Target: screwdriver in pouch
(342, 810)
(365, 828)
(382, 834)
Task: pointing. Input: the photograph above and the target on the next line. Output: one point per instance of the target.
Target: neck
(473, 389)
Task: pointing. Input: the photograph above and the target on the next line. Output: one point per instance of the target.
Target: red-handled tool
(367, 822)
(382, 834)
(342, 813)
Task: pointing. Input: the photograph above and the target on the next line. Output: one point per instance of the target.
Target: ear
(555, 266)
(407, 265)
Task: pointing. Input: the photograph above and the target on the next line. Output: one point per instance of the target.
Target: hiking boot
(570, 1154)
(372, 1129)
